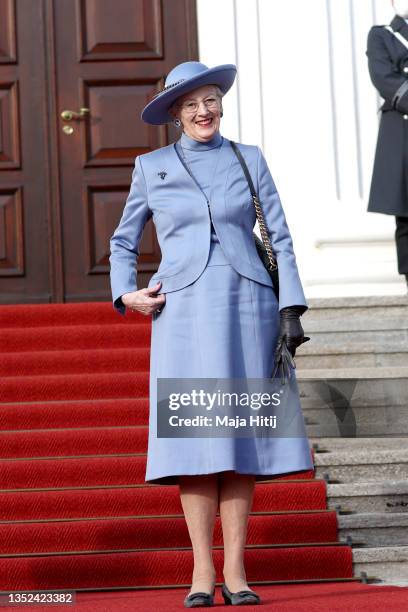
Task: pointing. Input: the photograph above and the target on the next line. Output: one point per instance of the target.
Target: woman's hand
(291, 329)
(143, 301)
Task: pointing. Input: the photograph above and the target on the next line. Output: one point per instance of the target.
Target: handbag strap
(258, 207)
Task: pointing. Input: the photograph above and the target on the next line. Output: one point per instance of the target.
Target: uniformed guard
(387, 52)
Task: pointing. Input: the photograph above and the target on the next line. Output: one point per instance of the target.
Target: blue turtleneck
(195, 145)
(202, 158)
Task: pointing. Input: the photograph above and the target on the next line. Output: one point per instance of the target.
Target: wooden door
(60, 207)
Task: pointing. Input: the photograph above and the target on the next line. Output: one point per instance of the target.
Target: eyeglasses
(192, 107)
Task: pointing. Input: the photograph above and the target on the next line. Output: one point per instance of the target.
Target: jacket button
(406, 69)
(405, 117)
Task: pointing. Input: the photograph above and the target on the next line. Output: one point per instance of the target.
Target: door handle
(70, 115)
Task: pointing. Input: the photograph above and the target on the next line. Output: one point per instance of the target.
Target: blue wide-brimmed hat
(184, 78)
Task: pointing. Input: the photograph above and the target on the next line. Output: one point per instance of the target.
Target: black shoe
(240, 598)
(199, 599)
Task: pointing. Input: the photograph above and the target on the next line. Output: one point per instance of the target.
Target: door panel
(125, 30)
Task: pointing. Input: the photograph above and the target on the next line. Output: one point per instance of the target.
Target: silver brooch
(162, 175)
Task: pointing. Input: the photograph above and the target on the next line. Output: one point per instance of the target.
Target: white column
(304, 95)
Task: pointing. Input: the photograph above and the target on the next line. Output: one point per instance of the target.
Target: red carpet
(312, 597)
(74, 509)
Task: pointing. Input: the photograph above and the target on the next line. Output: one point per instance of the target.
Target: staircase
(354, 384)
(75, 511)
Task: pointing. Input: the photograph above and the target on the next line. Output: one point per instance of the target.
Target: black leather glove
(291, 330)
(290, 337)
(283, 363)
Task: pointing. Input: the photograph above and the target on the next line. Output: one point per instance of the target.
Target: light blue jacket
(181, 218)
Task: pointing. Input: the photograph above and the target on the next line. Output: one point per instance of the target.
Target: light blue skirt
(223, 325)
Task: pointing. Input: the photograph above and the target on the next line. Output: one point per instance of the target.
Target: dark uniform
(388, 67)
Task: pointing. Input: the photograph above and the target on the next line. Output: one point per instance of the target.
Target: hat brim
(156, 112)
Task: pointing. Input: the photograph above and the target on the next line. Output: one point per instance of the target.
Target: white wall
(304, 95)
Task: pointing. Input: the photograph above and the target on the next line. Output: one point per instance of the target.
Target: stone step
(385, 562)
(350, 355)
(358, 301)
(353, 444)
(390, 582)
(374, 529)
(396, 337)
(390, 496)
(382, 386)
(355, 332)
(360, 421)
(366, 465)
(352, 402)
(365, 456)
(363, 373)
(355, 320)
(372, 306)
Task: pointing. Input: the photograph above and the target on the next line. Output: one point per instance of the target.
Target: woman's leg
(236, 495)
(199, 499)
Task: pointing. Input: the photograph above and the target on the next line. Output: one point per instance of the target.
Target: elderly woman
(214, 310)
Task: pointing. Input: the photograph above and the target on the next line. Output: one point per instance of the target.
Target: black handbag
(263, 246)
